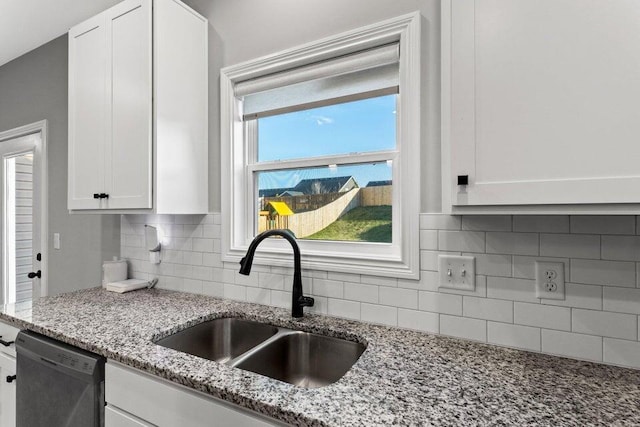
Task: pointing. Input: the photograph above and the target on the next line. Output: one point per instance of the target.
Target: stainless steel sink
(303, 359)
(300, 358)
(220, 339)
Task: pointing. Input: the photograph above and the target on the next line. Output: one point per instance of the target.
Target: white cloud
(322, 120)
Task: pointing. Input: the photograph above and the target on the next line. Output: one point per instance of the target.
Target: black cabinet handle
(104, 196)
(33, 275)
(11, 378)
(5, 343)
(96, 195)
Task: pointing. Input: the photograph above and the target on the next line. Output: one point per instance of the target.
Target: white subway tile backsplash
(193, 286)
(570, 246)
(429, 260)
(280, 299)
(211, 231)
(486, 222)
(579, 296)
(250, 280)
(319, 305)
(602, 270)
(598, 224)
(405, 298)
(214, 289)
(621, 248)
(461, 241)
(419, 320)
(524, 337)
(492, 265)
(212, 260)
(259, 295)
(479, 291)
(381, 314)
(608, 273)
(328, 288)
(362, 293)
(440, 303)
(605, 323)
(541, 223)
(524, 267)
(271, 281)
(512, 243)
(192, 258)
(429, 239)
(621, 352)
(578, 346)
(621, 300)
(343, 308)
(463, 327)
(440, 222)
(376, 280)
(343, 277)
(429, 281)
(235, 292)
(202, 245)
(511, 289)
(542, 316)
(188, 219)
(488, 309)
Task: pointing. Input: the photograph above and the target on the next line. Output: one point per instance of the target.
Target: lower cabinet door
(114, 417)
(7, 391)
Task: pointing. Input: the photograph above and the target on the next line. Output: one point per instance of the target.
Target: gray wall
(240, 30)
(33, 87)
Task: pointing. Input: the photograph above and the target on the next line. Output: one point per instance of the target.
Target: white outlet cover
(457, 272)
(549, 272)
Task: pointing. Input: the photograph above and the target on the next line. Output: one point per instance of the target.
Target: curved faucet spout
(298, 299)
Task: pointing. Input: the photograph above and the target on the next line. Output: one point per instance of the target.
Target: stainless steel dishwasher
(57, 384)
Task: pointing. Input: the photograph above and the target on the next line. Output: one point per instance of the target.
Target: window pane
(358, 126)
(340, 203)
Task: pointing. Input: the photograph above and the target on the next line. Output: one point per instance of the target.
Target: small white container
(114, 271)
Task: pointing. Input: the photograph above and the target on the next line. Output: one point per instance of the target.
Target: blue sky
(367, 125)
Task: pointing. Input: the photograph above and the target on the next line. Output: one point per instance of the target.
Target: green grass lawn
(365, 223)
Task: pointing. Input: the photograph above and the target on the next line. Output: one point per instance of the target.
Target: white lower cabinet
(135, 398)
(114, 417)
(7, 371)
(7, 391)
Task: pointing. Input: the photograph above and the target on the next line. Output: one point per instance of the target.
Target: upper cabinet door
(541, 102)
(128, 153)
(87, 112)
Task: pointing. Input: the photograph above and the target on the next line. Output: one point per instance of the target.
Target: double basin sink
(296, 357)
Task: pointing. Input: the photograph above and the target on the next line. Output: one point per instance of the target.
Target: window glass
(338, 203)
(352, 127)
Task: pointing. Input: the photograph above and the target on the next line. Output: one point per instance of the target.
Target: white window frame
(399, 259)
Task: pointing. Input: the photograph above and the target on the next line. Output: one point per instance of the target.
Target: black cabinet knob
(96, 195)
(37, 274)
(11, 378)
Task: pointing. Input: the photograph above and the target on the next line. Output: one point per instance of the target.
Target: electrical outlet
(457, 272)
(549, 280)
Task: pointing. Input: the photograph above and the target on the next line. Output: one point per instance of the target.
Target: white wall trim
(41, 128)
(359, 257)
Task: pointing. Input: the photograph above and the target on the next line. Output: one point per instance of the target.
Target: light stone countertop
(402, 378)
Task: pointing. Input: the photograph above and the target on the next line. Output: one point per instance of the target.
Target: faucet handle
(307, 301)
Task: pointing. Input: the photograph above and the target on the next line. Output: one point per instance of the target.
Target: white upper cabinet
(138, 126)
(541, 105)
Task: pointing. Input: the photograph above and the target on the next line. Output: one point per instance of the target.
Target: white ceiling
(27, 24)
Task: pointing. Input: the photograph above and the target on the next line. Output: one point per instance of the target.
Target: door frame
(30, 129)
